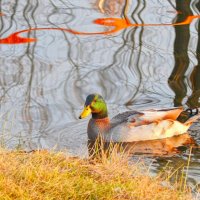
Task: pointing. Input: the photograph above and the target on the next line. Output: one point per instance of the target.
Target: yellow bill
(87, 111)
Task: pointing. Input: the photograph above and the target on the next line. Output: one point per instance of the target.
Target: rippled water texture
(137, 54)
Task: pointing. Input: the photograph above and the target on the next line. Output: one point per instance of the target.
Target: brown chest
(99, 125)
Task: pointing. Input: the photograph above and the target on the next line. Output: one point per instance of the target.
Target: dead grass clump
(44, 175)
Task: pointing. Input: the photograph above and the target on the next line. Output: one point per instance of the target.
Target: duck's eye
(95, 101)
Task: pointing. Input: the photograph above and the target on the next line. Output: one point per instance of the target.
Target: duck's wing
(146, 125)
(125, 117)
(135, 118)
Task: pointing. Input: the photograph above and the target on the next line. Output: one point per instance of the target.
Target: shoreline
(51, 175)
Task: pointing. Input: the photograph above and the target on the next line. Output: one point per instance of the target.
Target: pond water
(137, 54)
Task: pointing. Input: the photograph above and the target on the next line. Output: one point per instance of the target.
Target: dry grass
(48, 176)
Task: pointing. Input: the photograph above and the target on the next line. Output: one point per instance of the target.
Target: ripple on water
(43, 85)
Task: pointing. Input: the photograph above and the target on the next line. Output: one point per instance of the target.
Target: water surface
(137, 54)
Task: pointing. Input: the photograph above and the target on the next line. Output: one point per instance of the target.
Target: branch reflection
(193, 100)
(177, 80)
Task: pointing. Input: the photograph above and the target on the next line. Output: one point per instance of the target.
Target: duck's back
(133, 126)
(153, 131)
(146, 125)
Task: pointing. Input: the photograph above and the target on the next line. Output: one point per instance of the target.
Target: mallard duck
(134, 126)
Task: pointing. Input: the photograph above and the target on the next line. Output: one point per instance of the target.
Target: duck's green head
(96, 106)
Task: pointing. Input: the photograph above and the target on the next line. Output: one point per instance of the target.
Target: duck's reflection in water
(162, 147)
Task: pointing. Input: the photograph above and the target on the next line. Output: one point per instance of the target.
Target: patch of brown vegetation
(44, 175)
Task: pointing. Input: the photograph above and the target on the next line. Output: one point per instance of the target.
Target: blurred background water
(43, 84)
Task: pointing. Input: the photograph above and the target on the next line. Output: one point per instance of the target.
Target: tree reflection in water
(43, 84)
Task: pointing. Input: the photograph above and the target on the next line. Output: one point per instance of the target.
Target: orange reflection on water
(117, 24)
(16, 39)
(123, 23)
(163, 147)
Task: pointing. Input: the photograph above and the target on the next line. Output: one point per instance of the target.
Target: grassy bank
(43, 175)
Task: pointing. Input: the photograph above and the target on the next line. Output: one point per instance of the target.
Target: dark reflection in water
(43, 84)
(193, 100)
(177, 78)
